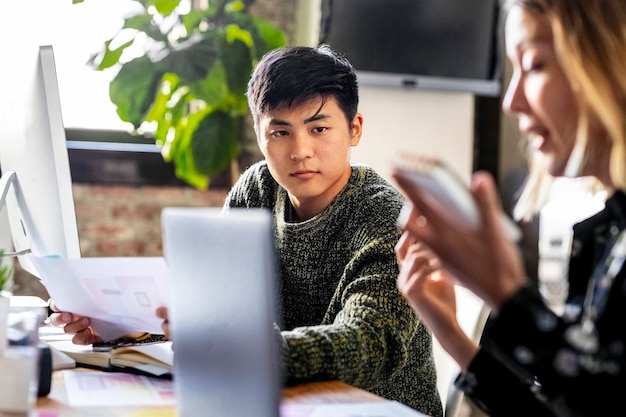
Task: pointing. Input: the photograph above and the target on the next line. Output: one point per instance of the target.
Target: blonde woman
(568, 91)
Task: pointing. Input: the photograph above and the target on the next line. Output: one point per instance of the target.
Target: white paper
(119, 294)
(105, 389)
(371, 409)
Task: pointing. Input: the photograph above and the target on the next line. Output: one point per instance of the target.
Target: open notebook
(152, 359)
(222, 305)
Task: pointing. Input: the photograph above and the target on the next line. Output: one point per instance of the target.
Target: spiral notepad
(437, 179)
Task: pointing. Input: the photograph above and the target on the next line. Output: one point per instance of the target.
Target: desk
(311, 393)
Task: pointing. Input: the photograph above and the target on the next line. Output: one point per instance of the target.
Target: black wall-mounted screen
(450, 45)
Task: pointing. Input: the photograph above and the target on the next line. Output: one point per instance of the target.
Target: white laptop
(222, 304)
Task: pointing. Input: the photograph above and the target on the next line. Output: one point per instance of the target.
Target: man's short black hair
(287, 77)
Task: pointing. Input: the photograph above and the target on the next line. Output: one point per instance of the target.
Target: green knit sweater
(342, 316)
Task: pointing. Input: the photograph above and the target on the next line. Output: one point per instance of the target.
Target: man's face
(307, 148)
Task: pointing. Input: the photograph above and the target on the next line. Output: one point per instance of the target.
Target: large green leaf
(167, 97)
(192, 59)
(213, 89)
(6, 274)
(179, 152)
(181, 141)
(145, 23)
(165, 7)
(266, 37)
(215, 142)
(237, 59)
(192, 20)
(167, 88)
(133, 90)
(112, 56)
(192, 177)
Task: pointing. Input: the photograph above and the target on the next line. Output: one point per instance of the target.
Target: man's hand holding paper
(100, 299)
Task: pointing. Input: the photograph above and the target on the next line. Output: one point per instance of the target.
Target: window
(101, 149)
(75, 31)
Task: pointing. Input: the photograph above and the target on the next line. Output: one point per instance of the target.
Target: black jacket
(528, 366)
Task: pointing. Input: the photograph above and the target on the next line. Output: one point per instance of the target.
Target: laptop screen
(222, 310)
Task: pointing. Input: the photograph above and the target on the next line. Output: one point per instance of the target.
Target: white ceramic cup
(19, 361)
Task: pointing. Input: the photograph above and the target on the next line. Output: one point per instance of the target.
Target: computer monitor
(36, 180)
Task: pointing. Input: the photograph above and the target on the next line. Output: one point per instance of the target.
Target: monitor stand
(9, 181)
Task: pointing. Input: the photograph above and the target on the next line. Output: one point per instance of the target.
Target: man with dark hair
(342, 316)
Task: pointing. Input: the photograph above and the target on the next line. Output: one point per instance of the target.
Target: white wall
(75, 31)
(430, 123)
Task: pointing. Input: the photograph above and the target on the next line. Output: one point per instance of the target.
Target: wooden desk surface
(55, 404)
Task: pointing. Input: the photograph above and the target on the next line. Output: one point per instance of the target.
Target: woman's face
(539, 93)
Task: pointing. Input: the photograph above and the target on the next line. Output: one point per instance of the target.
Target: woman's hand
(431, 294)
(484, 259)
(162, 313)
(79, 326)
(423, 284)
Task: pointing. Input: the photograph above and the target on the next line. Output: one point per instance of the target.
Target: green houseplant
(6, 276)
(188, 88)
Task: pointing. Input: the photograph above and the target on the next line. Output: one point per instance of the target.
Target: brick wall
(122, 221)
(126, 221)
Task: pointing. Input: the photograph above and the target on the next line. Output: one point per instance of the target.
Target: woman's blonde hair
(590, 43)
